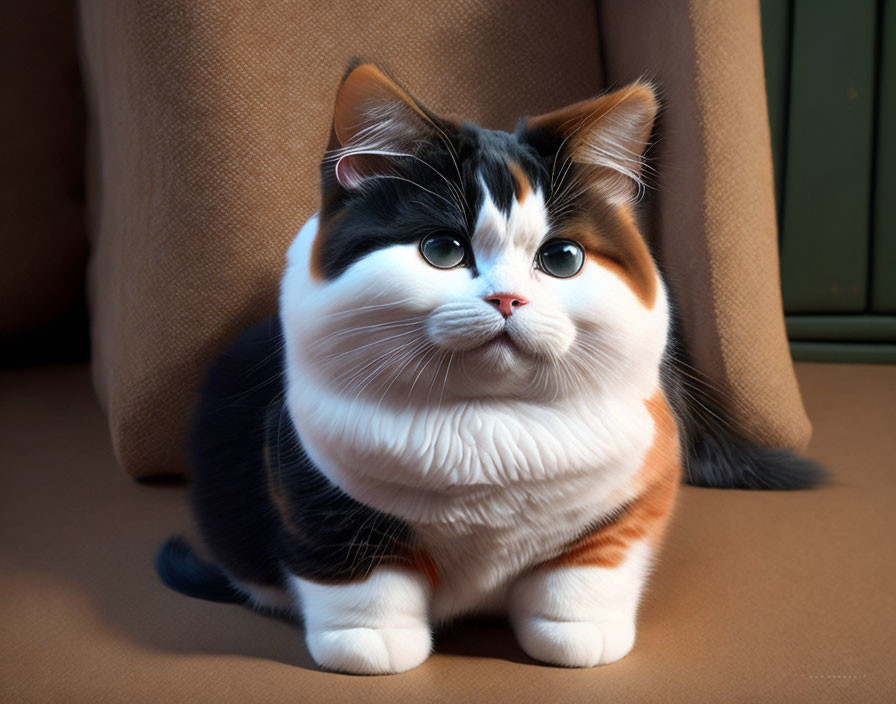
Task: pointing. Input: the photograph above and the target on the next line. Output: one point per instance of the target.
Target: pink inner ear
(347, 172)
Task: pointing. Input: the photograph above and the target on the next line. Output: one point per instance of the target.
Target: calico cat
(469, 401)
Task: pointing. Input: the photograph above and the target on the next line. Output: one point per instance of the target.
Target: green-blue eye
(443, 250)
(561, 258)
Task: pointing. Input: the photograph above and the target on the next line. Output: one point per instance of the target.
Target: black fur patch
(182, 570)
(326, 535)
(440, 190)
(245, 452)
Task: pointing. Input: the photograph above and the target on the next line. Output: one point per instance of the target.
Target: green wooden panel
(776, 56)
(827, 189)
(843, 352)
(883, 294)
(860, 328)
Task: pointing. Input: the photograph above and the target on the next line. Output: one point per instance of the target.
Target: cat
(470, 400)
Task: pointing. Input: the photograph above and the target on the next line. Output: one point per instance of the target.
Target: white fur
(496, 454)
(580, 616)
(377, 626)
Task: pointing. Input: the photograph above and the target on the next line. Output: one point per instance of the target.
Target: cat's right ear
(375, 123)
(607, 134)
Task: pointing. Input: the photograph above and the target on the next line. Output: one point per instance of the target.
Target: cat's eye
(561, 258)
(443, 250)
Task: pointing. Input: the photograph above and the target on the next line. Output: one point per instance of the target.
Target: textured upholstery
(713, 216)
(210, 119)
(757, 596)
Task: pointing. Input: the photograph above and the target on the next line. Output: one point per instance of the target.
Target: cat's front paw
(370, 651)
(576, 643)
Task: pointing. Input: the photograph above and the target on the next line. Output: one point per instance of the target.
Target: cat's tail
(720, 459)
(183, 571)
(718, 456)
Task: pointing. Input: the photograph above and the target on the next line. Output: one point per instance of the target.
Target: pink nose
(506, 303)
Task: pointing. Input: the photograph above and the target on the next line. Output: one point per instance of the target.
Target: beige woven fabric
(210, 119)
(713, 216)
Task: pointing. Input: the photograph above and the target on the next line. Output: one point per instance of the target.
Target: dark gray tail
(720, 459)
(183, 571)
(716, 454)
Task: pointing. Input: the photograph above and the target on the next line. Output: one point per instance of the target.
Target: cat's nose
(506, 303)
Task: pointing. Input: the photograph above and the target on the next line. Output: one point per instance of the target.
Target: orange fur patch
(646, 516)
(521, 186)
(574, 121)
(420, 561)
(320, 238)
(364, 86)
(612, 239)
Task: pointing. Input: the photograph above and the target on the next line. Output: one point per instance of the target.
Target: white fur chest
(491, 487)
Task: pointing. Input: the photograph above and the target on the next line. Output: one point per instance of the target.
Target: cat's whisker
(388, 360)
(406, 353)
(363, 309)
(353, 374)
(410, 357)
(418, 185)
(445, 381)
(408, 322)
(332, 358)
(423, 363)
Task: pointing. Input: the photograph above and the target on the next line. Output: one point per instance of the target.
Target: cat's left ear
(608, 133)
(375, 122)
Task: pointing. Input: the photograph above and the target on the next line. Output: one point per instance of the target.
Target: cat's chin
(497, 368)
(500, 352)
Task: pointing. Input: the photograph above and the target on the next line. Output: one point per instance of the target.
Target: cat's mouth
(503, 339)
(502, 342)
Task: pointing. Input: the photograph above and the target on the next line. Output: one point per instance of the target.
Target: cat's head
(450, 261)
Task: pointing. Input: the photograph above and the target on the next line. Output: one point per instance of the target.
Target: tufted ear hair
(375, 122)
(608, 133)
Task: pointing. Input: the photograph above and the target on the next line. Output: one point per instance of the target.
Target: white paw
(370, 651)
(575, 643)
(374, 627)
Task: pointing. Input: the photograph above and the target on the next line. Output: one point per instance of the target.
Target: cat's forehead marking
(490, 231)
(506, 166)
(522, 226)
(522, 186)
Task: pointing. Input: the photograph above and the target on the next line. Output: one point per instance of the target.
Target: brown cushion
(211, 121)
(713, 216)
(43, 237)
(757, 597)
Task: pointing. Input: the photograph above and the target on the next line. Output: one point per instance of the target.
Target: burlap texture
(210, 119)
(42, 234)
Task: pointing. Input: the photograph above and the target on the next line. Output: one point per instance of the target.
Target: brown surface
(758, 597)
(210, 120)
(43, 243)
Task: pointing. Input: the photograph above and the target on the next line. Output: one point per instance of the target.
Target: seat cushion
(713, 214)
(756, 597)
(212, 121)
(210, 124)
